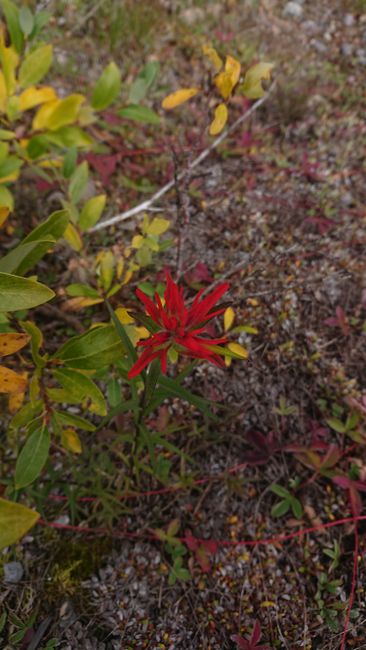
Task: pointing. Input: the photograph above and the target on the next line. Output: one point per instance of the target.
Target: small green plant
(334, 554)
(176, 549)
(288, 502)
(328, 611)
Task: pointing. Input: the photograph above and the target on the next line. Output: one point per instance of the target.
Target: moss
(74, 562)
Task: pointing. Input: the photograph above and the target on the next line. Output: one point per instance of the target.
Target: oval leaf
(107, 87)
(139, 114)
(221, 115)
(11, 382)
(10, 343)
(15, 521)
(32, 458)
(35, 66)
(252, 87)
(21, 293)
(178, 97)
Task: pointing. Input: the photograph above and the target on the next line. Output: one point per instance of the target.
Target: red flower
(180, 326)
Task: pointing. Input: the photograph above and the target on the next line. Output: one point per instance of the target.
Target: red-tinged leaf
(343, 481)
(256, 633)
(210, 546)
(355, 501)
(198, 274)
(104, 165)
(323, 224)
(264, 447)
(202, 559)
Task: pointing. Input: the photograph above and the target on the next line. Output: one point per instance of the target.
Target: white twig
(146, 205)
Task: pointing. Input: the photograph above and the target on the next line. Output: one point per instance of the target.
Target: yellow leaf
(71, 441)
(3, 93)
(16, 400)
(120, 267)
(211, 53)
(66, 112)
(80, 302)
(229, 316)
(232, 68)
(15, 521)
(238, 350)
(123, 316)
(34, 96)
(142, 332)
(252, 86)
(179, 97)
(73, 238)
(10, 343)
(9, 61)
(4, 213)
(128, 277)
(224, 84)
(158, 226)
(221, 114)
(11, 382)
(137, 241)
(43, 114)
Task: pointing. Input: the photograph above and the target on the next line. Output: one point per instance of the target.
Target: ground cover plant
(182, 325)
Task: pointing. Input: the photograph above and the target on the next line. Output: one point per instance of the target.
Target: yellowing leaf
(9, 60)
(229, 317)
(211, 53)
(66, 112)
(3, 93)
(233, 67)
(16, 399)
(71, 441)
(221, 115)
(34, 96)
(4, 213)
(179, 97)
(43, 114)
(11, 382)
(106, 269)
(224, 84)
(123, 316)
(137, 241)
(73, 238)
(238, 350)
(252, 86)
(15, 521)
(80, 302)
(158, 226)
(92, 211)
(35, 66)
(10, 343)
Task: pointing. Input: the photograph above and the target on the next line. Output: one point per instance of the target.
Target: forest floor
(278, 210)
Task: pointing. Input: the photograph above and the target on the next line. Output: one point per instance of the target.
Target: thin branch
(146, 205)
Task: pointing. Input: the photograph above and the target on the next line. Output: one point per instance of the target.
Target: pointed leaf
(179, 97)
(32, 458)
(15, 521)
(35, 66)
(107, 88)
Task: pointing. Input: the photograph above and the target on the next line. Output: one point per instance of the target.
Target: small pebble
(349, 20)
(293, 9)
(13, 572)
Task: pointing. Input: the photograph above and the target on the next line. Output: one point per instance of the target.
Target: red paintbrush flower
(180, 326)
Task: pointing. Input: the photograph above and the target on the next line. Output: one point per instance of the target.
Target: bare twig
(146, 205)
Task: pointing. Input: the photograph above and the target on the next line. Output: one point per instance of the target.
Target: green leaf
(81, 290)
(21, 293)
(122, 334)
(252, 86)
(139, 114)
(25, 256)
(35, 66)
(11, 14)
(280, 491)
(32, 458)
(54, 226)
(26, 20)
(280, 508)
(114, 392)
(107, 87)
(75, 421)
(296, 507)
(78, 182)
(15, 521)
(143, 81)
(6, 198)
(336, 425)
(36, 342)
(82, 387)
(91, 212)
(40, 20)
(10, 165)
(96, 348)
(70, 161)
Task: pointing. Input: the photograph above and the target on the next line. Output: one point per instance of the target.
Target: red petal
(150, 307)
(200, 309)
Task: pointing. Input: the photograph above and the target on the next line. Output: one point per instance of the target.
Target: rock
(361, 55)
(318, 45)
(349, 20)
(193, 15)
(346, 49)
(311, 26)
(13, 572)
(293, 9)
